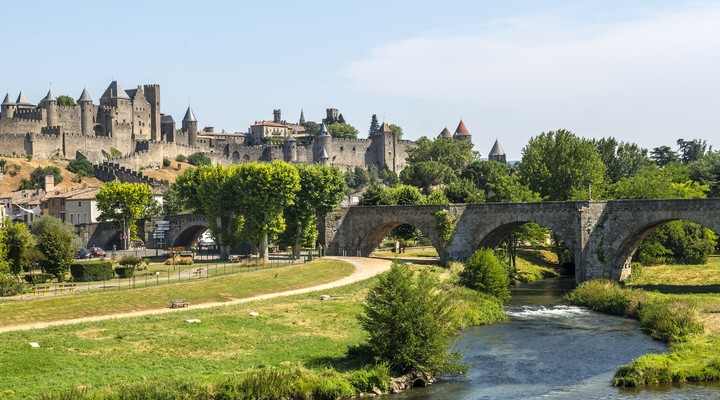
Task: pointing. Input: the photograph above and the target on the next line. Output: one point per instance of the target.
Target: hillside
(167, 173)
(11, 180)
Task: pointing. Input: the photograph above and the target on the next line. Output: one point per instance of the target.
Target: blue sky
(641, 71)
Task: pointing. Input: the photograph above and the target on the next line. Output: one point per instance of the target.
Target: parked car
(97, 252)
(83, 253)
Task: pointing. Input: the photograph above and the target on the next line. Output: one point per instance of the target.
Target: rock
(192, 321)
(410, 380)
(254, 314)
(376, 391)
(325, 297)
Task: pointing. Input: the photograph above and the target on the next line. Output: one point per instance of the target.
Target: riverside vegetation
(678, 304)
(296, 348)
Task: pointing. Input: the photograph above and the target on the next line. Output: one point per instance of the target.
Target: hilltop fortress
(131, 122)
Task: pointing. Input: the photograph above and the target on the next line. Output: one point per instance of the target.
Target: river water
(551, 350)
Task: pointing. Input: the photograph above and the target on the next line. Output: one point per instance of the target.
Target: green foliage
(125, 272)
(376, 195)
(311, 128)
(127, 202)
(601, 295)
(497, 182)
(19, 241)
(691, 150)
(92, 271)
(115, 153)
(181, 158)
(408, 322)
(426, 174)
(10, 284)
(445, 225)
(706, 171)
(472, 308)
(463, 191)
(374, 126)
(397, 130)
(560, 165)
(669, 320)
(681, 242)
(166, 162)
(437, 197)
(622, 160)
(370, 376)
(130, 261)
(342, 130)
(663, 156)
(38, 278)
(456, 154)
(58, 243)
(198, 159)
(406, 195)
(652, 182)
(82, 167)
(484, 273)
(37, 177)
(65, 101)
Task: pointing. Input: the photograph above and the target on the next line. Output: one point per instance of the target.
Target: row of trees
(259, 201)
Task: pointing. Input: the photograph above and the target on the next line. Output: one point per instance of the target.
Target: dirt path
(365, 268)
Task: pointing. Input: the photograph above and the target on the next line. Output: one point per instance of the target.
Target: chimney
(49, 183)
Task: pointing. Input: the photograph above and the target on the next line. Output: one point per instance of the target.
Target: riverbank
(677, 304)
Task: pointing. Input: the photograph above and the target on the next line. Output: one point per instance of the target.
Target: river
(551, 350)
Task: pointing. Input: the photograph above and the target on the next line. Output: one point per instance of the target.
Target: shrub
(130, 261)
(166, 162)
(601, 295)
(484, 273)
(10, 285)
(179, 261)
(369, 377)
(38, 278)
(125, 272)
(81, 167)
(266, 383)
(198, 159)
(472, 308)
(181, 158)
(669, 319)
(92, 271)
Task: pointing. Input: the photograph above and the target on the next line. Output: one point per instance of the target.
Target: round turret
(189, 125)
(50, 104)
(85, 113)
(290, 149)
(323, 144)
(8, 107)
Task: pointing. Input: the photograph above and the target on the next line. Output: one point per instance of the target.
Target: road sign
(159, 235)
(162, 223)
(162, 228)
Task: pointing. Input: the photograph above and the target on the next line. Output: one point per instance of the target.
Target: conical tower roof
(22, 100)
(85, 97)
(189, 116)
(302, 117)
(462, 129)
(290, 138)
(385, 128)
(323, 131)
(445, 134)
(497, 150)
(324, 155)
(7, 101)
(114, 91)
(50, 96)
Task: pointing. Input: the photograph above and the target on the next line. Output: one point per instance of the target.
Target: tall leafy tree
(456, 154)
(37, 177)
(663, 156)
(374, 126)
(57, 241)
(426, 174)
(484, 273)
(463, 191)
(397, 130)
(691, 150)
(560, 165)
(653, 182)
(622, 159)
(343, 131)
(19, 242)
(65, 101)
(216, 189)
(706, 171)
(321, 191)
(123, 203)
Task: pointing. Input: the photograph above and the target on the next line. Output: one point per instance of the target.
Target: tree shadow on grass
(535, 257)
(356, 357)
(680, 289)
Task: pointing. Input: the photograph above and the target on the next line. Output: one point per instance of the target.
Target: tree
(37, 177)
(65, 101)
(426, 174)
(58, 243)
(408, 323)
(5, 264)
(199, 158)
(321, 190)
(311, 128)
(681, 242)
(663, 156)
(560, 166)
(172, 204)
(622, 160)
(396, 130)
(463, 191)
(81, 167)
(376, 195)
(374, 126)
(653, 182)
(437, 197)
(706, 171)
(484, 273)
(342, 130)
(19, 242)
(406, 195)
(456, 154)
(691, 150)
(124, 203)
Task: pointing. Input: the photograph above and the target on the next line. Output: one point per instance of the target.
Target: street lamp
(157, 278)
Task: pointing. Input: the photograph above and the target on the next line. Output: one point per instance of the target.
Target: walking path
(365, 268)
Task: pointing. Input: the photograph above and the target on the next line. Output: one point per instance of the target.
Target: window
(79, 204)
(62, 201)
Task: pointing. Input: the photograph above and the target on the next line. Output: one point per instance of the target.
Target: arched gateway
(601, 235)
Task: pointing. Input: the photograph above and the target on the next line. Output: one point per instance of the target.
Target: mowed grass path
(220, 289)
(300, 329)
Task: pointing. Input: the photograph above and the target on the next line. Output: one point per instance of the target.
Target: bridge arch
(188, 236)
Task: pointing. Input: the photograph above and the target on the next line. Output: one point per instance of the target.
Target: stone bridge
(602, 235)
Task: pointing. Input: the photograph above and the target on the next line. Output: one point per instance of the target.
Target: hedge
(125, 272)
(39, 278)
(92, 271)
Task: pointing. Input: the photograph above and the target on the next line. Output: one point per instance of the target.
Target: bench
(40, 290)
(178, 303)
(66, 288)
(198, 272)
(237, 258)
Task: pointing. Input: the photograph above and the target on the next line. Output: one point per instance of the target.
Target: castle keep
(131, 122)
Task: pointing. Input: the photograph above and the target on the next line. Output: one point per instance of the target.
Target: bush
(166, 162)
(601, 295)
(10, 285)
(472, 308)
(369, 377)
(179, 261)
(92, 271)
(38, 278)
(669, 320)
(181, 158)
(130, 261)
(198, 159)
(125, 272)
(484, 273)
(81, 167)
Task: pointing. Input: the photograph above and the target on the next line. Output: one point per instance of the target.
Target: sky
(641, 71)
